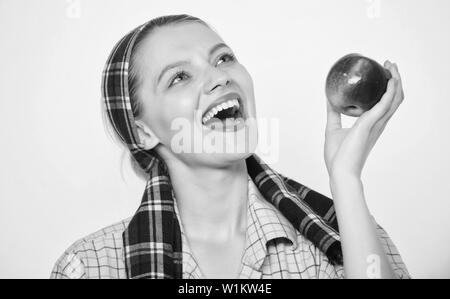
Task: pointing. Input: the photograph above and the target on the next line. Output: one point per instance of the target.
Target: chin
(222, 160)
(223, 155)
(216, 146)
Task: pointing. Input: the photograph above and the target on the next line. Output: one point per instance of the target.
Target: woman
(225, 214)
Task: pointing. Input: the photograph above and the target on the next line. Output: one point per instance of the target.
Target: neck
(212, 202)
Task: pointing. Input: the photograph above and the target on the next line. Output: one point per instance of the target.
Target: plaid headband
(152, 240)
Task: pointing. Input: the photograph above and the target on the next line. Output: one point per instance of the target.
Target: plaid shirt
(274, 249)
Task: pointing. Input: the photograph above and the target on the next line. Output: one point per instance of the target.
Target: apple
(355, 84)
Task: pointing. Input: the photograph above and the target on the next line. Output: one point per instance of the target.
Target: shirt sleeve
(392, 254)
(68, 266)
(325, 270)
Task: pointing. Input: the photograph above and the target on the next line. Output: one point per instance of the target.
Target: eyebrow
(182, 62)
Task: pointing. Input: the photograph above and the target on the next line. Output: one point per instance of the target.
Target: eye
(180, 75)
(227, 57)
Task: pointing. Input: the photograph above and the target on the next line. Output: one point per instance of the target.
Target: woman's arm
(346, 150)
(364, 256)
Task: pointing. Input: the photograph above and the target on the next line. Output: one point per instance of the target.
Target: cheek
(179, 105)
(172, 110)
(245, 81)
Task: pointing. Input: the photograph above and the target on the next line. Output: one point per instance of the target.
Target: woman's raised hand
(346, 149)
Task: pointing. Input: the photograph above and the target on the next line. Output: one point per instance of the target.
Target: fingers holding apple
(358, 86)
(399, 94)
(381, 113)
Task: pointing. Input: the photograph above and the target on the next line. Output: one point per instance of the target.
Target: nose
(216, 78)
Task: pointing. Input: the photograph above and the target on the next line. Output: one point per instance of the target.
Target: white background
(60, 173)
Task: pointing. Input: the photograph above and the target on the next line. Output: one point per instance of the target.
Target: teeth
(212, 112)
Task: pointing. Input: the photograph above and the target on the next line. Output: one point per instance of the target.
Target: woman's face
(196, 97)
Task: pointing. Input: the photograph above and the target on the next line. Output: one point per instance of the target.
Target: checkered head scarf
(152, 240)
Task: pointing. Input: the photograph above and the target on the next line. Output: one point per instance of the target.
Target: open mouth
(227, 115)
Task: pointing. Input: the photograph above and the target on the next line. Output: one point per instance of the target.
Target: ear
(147, 138)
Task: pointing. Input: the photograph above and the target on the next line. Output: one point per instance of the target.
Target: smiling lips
(227, 108)
(222, 111)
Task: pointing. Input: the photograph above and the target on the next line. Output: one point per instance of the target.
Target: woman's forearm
(364, 256)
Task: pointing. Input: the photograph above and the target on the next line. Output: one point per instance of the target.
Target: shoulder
(97, 255)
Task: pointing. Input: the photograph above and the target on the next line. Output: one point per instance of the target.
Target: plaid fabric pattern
(97, 256)
(292, 201)
(153, 237)
(152, 240)
(274, 249)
